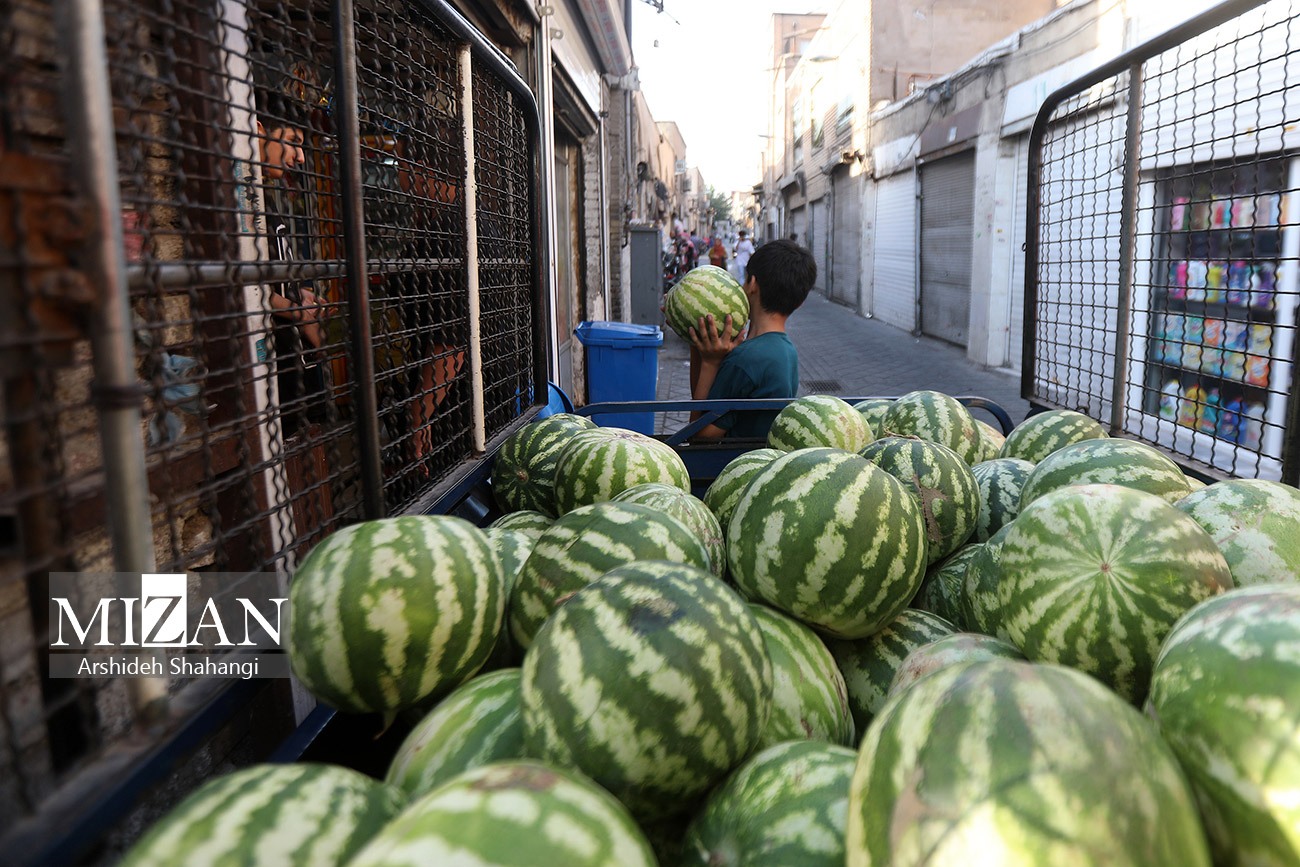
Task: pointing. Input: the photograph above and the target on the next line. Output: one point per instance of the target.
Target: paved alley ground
(843, 354)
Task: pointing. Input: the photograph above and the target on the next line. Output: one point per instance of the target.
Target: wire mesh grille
(1206, 370)
(232, 212)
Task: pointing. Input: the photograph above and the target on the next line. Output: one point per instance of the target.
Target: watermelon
(523, 473)
(690, 511)
(869, 664)
(1000, 482)
(944, 586)
(303, 814)
(942, 483)
(476, 725)
(514, 548)
(532, 523)
(937, 418)
(584, 545)
(785, 807)
(981, 600)
(1256, 525)
(705, 291)
(1225, 694)
(1040, 435)
(598, 465)
(384, 614)
(723, 495)
(991, 441)
(1007, 763)
(1094, 577)
(1107, 462)
(829, 538)
(512, 814)
(809, 698)
(655, 681)
(817, 421)
(873, 410)
(949, 650)
(1194, 484)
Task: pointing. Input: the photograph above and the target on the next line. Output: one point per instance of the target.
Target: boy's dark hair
(785, 273)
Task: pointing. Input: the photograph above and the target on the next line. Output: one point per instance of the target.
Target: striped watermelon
(514, 548)
(523, 473)
(705, 291)
(942, 483)
(829, 538)
(1256, 525)
(584, 545)
(817, 421)
(476, 725)
(513, 814)
(1094, 577)
(1195, 484)
(1225, 695)
(935, 417)
(1001, 762)
(785, 807)
(944, 586)
(949, 650)
(1040, 435)
(693, 514)
(1107, 462)
(304, 814)
(981, 594)
(868, 664)
(655, 681)
(723, 495)
(991, 441)
(809, 699)
(1000, 482)
(384, 614)
(599, 465)
(873, 410)
(532, 523)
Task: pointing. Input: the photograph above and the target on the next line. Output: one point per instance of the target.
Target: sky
(709, 72)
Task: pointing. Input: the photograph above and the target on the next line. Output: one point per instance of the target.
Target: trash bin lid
(621, 334)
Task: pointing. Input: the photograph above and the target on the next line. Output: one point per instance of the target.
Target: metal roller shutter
(1016, 330)
(895, 261)
(947, 237)
(846, 239)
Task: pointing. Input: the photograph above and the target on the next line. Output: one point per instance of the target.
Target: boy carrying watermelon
(762, 363)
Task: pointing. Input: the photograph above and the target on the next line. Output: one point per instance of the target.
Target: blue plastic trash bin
(622, 365)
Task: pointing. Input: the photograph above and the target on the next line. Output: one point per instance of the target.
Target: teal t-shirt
(765, 366)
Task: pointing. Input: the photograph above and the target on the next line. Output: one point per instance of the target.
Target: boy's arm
(712, 349)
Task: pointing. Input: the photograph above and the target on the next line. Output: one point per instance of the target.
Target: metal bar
(116, 392)
(354, 245)
(478, 422)
(546, 164)
(179, 275)
(1029, 314)
(1127, 244)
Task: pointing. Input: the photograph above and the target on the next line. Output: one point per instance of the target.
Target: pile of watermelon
(892, 638)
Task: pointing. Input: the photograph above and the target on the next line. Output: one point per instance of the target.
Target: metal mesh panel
(1202, 339)
(506, 237)
(233, 189)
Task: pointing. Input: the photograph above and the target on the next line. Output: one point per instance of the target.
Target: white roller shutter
(1016, 289)
(895, 260)
(947, 242)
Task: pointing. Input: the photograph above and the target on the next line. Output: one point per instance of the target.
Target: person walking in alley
(718, 253)
(764, 364)
(742, 251)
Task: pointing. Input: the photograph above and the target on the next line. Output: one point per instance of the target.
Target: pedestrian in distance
(718, 253)
(763, 363)
(742, 251)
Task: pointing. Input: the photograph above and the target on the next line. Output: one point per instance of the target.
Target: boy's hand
(712, 345)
